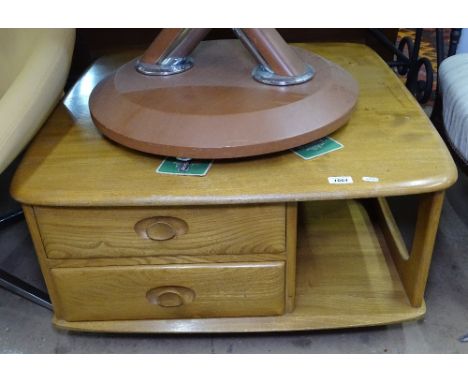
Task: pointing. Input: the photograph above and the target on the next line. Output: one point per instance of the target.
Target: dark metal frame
(13, 283)
(411, 63)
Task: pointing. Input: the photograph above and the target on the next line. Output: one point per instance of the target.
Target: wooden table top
(388, 137)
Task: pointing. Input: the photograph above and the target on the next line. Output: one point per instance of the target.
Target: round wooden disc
(216, 109)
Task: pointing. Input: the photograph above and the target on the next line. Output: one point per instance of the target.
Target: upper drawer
(132, 232)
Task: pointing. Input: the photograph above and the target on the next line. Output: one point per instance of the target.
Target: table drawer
(135, 232)
(169, 291)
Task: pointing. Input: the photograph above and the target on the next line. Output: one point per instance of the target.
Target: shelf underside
(344, 279)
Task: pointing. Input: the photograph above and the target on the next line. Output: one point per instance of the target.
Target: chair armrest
(35, 91)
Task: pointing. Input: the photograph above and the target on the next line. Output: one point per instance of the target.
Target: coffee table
(260, 244)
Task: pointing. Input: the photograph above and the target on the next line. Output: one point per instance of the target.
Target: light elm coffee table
(259, 244)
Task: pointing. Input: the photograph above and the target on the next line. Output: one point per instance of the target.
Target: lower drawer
(169, 291)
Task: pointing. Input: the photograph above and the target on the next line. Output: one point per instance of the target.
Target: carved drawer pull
(160, 228)
(170, 296)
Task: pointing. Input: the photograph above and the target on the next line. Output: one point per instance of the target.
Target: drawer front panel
(135, 232)
(170, 291)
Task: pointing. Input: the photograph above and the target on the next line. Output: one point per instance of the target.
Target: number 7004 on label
(340, 180)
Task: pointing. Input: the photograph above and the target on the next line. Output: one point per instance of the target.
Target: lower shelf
(344, 279)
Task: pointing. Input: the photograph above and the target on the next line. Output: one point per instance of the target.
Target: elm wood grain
(291, 252)
(170, 296)
(41, 254)
(163, 259)
(388, 136)
(414, 274)
(390, 229)
(413, 268)
(344, 279)
(119, 293)
(216, 109)
(160, 228)
(74, 233)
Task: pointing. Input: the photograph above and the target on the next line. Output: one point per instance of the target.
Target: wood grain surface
(118, 293)
(291, 253)
(413, 267)
(388, 137)
(80, 233)
(162, 260)
(41, 254)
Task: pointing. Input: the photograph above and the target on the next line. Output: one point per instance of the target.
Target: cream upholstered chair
(34, 65)
(453, 80)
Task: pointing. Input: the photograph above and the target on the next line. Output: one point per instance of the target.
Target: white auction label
(340, 180)
(370, 179)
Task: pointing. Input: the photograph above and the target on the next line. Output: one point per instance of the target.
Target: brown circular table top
(216, 109)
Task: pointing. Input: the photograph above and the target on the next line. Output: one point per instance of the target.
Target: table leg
(413, 268)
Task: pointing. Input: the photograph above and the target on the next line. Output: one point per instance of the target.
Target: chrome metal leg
(16, 285)
(23, 289)
(11, 217)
